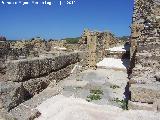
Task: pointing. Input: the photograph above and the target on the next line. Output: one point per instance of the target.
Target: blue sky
(55, 21)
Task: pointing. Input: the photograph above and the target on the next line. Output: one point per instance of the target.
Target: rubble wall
(145, 51)
(96, 44)
(4, 46)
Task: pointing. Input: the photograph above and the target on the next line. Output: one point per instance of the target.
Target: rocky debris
(23, 49)
(53, 44)
(73, 47)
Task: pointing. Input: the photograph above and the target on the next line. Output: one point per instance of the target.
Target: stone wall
(96, 43)
(15, 50)
(55, 43)
(4, 46)
(145, 51)
(72, 47)
(26, 78)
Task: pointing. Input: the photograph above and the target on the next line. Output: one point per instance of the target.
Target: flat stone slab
(23, 112)
(140, 106)
(27, 111)
(114, 63)
(80, 85)
(145, 93)
(44, 95)
(6, 116)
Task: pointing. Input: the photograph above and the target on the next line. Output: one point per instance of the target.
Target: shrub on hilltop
(72, 40)
(2, 38)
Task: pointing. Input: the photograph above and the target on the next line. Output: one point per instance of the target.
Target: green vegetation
(122, 103)
(96, 91)
(2, 38)
(114, 86)
(72, 40)
(124, 38)
(94, 95)
(78, 87)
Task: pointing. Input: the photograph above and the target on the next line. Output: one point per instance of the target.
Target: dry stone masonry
(27, 77)
(27, 68)
(145, 52)
(97, 43)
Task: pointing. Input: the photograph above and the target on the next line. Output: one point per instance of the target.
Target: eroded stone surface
(145, 51)
(22, 70)
(12, 94)
(145, 93)
(28, 77)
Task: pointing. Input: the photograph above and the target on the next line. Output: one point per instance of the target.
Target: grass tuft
(94, 95)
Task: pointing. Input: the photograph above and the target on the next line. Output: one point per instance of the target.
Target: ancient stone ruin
(27, 69)
(125, 75)
(97, 43)
(145, 53)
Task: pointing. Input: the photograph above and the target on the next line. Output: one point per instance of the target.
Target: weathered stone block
(35, 68)
(12, 94)
(146, 93)
(12, 70)
(23, 112)
(63, 73)
(157, 76)
(43, 66)
(157, 105)
(22, 70)
(4, 115)
(140, 106)
(34, 86)
(29, 77)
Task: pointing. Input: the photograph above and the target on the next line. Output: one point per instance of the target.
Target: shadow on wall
(127, 46)
(126, 56)
(132, 64)
(126, 62)
(127, 94)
